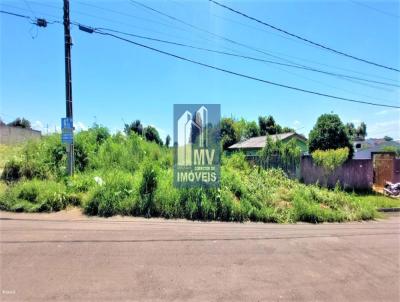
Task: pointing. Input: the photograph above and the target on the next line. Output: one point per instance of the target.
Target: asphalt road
(66, 256)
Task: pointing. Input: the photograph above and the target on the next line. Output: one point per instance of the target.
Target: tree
(354, 133)
(388, 138)
(286, 130)
(350, 130)
(229, 135)
(240, 127)
(267, 125)
(329, 133)
(22, 123)
(251, 130)
(361, 131)
(151, 134)
(167, 141)
(135, 126)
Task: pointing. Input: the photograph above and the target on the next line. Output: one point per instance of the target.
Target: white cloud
(296, 124)
(38, 125)
(356, 122)
(163, 133)
(80, 126)
(380, 129)
(382, 112)
(387, 111)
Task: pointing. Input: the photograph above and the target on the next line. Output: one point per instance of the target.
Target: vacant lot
(66, 256)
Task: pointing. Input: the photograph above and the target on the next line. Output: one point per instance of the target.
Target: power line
(29, 7)
(91, 30)
(208, 32)
(249, 57)
(41, 22)
(375, 9)
(303, 39)
(268, 53)
(240, 74)
(16, 15)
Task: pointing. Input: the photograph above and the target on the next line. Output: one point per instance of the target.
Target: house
(252, 145)
(364, 149)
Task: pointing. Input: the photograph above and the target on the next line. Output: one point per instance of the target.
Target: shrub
(147, 189)
(330, 159)
(113, 196)
(12, 170)
(35, 196)
(167, 197)
(81, 182)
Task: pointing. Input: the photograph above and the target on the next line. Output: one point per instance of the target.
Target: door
(383, 168)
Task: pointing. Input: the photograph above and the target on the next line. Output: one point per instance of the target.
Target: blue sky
(114, 81)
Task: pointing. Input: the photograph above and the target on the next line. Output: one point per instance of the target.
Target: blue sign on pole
(66, 122)
(67, 135)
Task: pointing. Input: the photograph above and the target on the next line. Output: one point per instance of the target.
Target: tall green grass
(127, 175)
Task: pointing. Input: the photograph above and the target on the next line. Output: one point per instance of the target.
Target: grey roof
(259, 141)
(372, 145)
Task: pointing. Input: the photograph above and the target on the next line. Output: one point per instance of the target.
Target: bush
(12, 170)
(35, 196)
(116, 196)
(147, 189)
(330, 160)
(167, 197)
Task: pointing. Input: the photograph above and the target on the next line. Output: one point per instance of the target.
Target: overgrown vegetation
(285, 155)
(329, 133)
(330, 160)
(234, 130)
(128, 175)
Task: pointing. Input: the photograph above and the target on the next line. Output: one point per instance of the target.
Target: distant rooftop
(259, 141)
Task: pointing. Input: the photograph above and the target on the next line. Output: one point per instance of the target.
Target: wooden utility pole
(68, 84)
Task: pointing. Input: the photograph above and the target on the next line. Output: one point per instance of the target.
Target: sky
(115, 82)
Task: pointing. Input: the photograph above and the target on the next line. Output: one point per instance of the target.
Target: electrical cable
(303, 39)
(243, 75)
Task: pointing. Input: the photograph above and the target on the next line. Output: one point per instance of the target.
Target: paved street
(66, 256)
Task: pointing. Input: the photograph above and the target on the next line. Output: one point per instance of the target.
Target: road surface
(68, 257)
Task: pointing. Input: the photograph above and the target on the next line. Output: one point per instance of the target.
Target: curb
(388, 210)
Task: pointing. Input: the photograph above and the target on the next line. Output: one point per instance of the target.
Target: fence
(13, 135)
(290, 167)
(355, 174)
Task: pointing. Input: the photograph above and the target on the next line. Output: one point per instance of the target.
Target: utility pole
(68, 84)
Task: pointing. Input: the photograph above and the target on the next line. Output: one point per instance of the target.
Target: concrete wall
(13, 135)
(354, 174)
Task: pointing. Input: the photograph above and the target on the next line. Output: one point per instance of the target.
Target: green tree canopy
(167, 140)
(151, 134)
(20, 122)
(229, 135)
(361, 131)
(356, 133)
(329, 133)
(251, 130)
(267, 125)
(135, 126)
